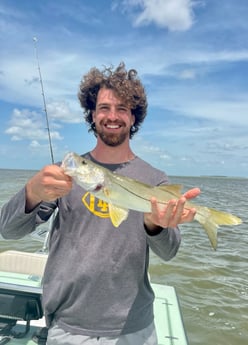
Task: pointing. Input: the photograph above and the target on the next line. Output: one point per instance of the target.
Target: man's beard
(112, 139)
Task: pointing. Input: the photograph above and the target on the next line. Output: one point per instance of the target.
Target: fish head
(85, 173)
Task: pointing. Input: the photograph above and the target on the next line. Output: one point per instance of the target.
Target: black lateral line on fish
(137, 195)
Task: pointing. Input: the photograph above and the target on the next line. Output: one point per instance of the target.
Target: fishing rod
(44, 99)
(47, 237)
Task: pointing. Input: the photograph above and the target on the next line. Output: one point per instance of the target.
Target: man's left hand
(173, 213)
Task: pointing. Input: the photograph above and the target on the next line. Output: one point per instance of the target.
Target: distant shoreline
(180, 176)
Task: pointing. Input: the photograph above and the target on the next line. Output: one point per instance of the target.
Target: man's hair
(126, 86)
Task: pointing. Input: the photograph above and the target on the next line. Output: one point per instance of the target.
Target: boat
(21, 314)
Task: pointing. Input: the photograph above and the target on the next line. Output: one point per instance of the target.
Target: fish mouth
(69, 162)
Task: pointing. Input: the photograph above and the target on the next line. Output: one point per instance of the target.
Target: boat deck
(168, 317)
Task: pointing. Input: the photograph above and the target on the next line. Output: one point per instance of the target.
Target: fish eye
(84, 162)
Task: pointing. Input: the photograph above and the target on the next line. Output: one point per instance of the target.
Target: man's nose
(113, 114)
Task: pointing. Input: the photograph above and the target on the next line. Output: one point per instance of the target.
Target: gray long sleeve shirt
(95, 281)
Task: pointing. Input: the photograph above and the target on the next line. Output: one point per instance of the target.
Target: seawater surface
(212, 286)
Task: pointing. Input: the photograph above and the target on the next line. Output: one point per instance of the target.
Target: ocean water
(212, 286)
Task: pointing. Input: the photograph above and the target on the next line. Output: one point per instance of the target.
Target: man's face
(113, 118)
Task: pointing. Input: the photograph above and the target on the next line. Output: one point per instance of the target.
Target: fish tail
(210, 219)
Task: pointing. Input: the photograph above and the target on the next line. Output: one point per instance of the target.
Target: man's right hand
(48, 184)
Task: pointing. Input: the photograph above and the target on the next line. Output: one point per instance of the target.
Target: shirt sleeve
(15, 223)
(166, 243)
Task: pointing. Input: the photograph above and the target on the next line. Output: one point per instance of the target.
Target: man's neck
(112, 155)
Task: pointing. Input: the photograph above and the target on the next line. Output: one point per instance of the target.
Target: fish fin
(175, 189)
(224, 218)
(117, 214)
(210, 219)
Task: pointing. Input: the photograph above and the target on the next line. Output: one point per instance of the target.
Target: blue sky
(192, 57)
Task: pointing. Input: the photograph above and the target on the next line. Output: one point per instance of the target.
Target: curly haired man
(96, 287)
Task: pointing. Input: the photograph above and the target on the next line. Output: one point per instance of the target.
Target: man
(96, 287)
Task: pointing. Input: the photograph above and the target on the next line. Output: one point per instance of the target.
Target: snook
(123, 194)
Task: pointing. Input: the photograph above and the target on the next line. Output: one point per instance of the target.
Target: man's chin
(112, 140)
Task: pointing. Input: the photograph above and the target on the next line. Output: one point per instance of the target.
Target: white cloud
(35, 144)
(42, 149)
(171, 14)
(62, 112)
(187, 74)
(30, 125)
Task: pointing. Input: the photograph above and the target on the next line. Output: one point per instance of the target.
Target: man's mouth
(113, 125)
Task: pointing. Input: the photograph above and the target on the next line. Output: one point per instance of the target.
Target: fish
(123, 194)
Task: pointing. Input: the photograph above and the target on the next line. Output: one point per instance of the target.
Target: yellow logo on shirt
(96, 206)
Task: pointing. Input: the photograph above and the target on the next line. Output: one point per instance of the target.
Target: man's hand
(48, 184)
(172, 214)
